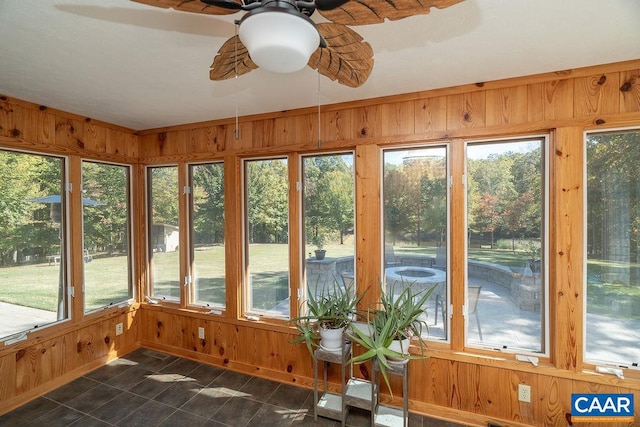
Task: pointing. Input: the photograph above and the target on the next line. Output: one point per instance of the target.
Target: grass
(36, 285)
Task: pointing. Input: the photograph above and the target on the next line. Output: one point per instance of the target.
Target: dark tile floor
(148, 388)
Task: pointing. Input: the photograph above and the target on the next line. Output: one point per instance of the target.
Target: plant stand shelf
(390, 416)
(358, 394)
(331, 405)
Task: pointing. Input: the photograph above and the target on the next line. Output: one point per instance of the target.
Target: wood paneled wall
(54, 355)
(453, 383)
(461, 384)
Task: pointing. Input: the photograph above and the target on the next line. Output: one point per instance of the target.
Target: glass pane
(208, 234)
(267, 237)
(105, 213)
(164, 232)
(415, 228)
(613, 243)
(505, 230)
(32, 242)
(329, 221)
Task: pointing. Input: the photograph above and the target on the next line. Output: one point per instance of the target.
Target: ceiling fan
(280, 36)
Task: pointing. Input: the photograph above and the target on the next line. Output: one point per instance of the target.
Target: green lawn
(37, 285)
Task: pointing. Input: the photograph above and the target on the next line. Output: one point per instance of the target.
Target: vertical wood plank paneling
(457, 241)
(368, 260)
(205, 139)
(264, 131)
(39, 126)
(567, 225)
(466, 110)
(11, 120)
(398, 118)
(550, 100)
(95, 138)
(630, 91)
(296, 246)
(506, 106)
(8, 376)
(245, 136)
(597, 94)
(431, 114)
(233, 223)
(69, 132)
(306, 128)
(549, 406)
(367, 121)
(337, 126)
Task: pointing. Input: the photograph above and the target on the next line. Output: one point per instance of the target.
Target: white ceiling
(144, 67)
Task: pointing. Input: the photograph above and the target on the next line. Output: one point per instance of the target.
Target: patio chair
(347, 279)
(390, 256)
(473, 293)
(441, 259)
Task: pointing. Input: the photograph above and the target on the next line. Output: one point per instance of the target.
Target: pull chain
(236, 132)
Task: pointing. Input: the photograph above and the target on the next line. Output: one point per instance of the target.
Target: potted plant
(393, 325)
(318, 241)
(533, 252)
(328, 315)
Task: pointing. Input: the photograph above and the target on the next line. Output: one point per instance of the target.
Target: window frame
(149, 287)
(545, 304)
(191, 300)
(130, 241)
(595, 362)
(446, 146)
(247, 311)
(66, 272)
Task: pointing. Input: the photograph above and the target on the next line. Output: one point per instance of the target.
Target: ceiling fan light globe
(280, 42)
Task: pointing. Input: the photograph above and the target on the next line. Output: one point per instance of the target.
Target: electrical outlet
(119, 329)
(201, 333)
(524, 393)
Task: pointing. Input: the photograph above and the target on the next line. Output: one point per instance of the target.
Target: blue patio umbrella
(55, 198)
(54, 201)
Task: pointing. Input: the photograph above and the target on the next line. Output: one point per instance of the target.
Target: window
(164, 233)
(32, 242)
(207, 230)
(105, 222)
(267, 237)
(328, 210)
(506, 245)
(415, 228)
(613, 248)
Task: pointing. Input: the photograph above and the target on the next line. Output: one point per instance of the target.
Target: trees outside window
(164, 232)
(106, 234)
(267, 237)
(415, 210)
(328, 216)
(506, 244)
(613, 247)
(32, 241)
(207, 230)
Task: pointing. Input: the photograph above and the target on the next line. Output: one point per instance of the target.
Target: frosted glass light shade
(278, 41)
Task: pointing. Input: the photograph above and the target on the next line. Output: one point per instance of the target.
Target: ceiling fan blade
(195, 6)
(329, 4)
(224, 4)
(364, 12)
(347, 57)
(233, 57)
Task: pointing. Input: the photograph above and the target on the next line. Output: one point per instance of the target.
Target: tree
(208, 203)
(268, 201)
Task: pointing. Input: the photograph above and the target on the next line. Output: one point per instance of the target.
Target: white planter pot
(364, 328)
(400, 346)
(331, 339)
